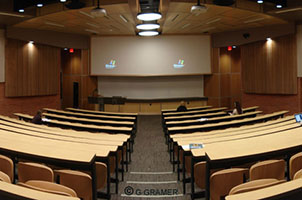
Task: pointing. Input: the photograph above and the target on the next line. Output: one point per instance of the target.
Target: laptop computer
(298, 118)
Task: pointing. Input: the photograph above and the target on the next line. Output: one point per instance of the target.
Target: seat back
(34, 171)
(295, 164)
(298, 174)
(81, 182)
(49, 187)
(199, 174)
(221, 182)
(268, 169)
(4, 177)
(255, 185)
(7, 166)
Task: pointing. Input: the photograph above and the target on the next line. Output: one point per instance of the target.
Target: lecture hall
(150, 99)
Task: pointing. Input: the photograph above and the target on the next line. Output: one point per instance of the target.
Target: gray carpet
(150, 155)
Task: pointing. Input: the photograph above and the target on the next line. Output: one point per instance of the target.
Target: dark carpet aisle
(150, 172)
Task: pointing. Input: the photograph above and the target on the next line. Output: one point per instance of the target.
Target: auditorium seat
(81, 182)
(49, 187)
(199, 174)
(295, 164)
(34, 171)
(298, 174)
(4, 177)
(268, 169)
(223, 181)
(255, 185)
(7, 166)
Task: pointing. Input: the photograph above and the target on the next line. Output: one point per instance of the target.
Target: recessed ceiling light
(40, 5)
(62, 1)
(31, 42)
(148, 16)
(21, 10)
(278, 6)
(147, 26)
(260, 1)
(148, 33)
(269, 39)
(234, 47)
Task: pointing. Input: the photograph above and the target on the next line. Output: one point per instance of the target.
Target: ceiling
(177, 18)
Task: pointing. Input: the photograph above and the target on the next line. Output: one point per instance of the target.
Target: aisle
(150, 174)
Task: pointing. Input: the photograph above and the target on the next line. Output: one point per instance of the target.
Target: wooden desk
(194, 112)
(82, 120)
(53, 153)
(211, 120)
(188, 109)
(102, 113)
(98, 141)
(236, 152)
(63, 132)
(15, 192)
(233, 129)
(91, 116)
(224, 137)
(197, 116)
(78, 126)
(216, 126)
(207, 137)
(244, 110)
(290, 190)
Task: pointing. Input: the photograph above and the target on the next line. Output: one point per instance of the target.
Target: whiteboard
(151, 87)
(150, 56)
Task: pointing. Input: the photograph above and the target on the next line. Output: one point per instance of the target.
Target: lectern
(101, 101)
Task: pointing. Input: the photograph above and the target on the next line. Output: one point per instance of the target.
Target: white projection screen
(150, 56)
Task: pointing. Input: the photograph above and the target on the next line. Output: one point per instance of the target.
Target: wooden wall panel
(270, 67)
(235, 60)
(225, 85)
(212, 85)
(75, 68)
(214, 60)
(236, 84)
(225, 61)
(31, 70)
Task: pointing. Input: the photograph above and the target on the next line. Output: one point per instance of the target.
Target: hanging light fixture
(147, 26)
(150, 16)
(148, 33)
(98, 12)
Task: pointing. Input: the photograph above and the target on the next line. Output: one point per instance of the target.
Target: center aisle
(150, 173)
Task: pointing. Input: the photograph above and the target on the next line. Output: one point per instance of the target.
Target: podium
(101, 101)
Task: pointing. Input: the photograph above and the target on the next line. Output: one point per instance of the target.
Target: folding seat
(34, 171)
(268, 169)
(81, 182)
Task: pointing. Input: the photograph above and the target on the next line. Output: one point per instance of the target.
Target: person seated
(182, 107)
(37, 118)
(237, 110)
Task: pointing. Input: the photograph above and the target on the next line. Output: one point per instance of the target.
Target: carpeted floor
(150, 174)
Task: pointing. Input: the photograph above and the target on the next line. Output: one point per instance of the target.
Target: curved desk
(15, 192)
(291, 190)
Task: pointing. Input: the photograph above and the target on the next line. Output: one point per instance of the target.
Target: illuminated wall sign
(111, 65)
(180, 64)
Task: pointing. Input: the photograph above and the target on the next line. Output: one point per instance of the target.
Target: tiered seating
(86, 148)
(215, 141)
